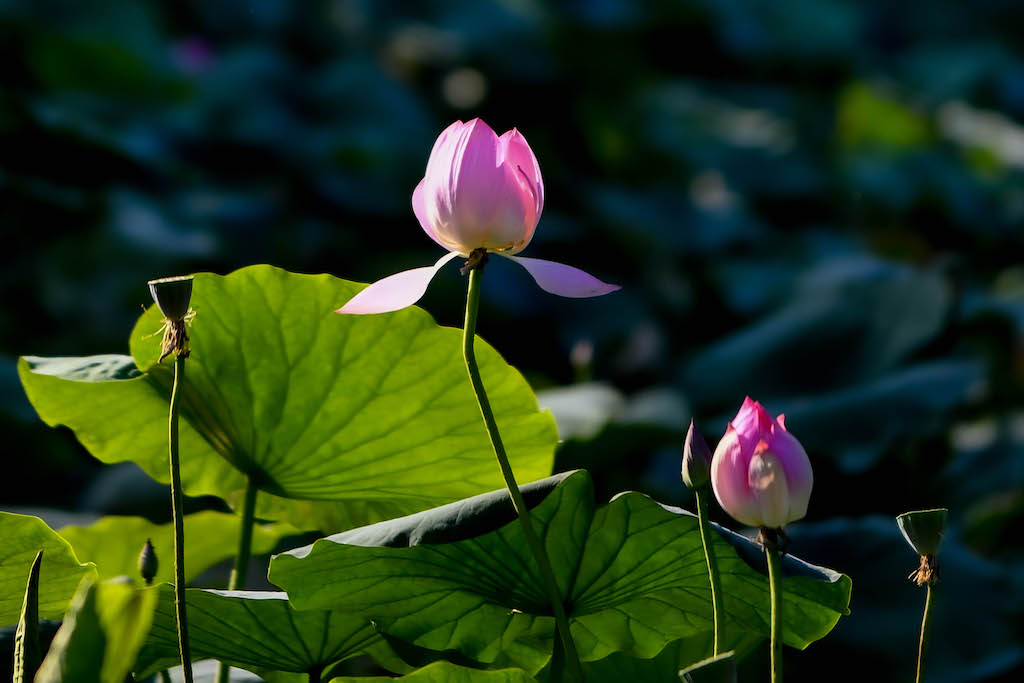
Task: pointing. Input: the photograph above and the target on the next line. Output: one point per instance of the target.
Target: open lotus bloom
(480, 191)
(760, 473)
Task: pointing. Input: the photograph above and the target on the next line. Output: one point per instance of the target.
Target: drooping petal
(563, 280)
(395, 292)
(729, 480)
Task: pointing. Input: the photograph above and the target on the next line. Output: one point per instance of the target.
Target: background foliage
(815, 202)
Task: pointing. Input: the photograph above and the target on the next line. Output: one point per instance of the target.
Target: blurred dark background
(814, 202)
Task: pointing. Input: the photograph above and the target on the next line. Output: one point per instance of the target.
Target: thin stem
(165, 677)
(179, 523)
(775, 586)
(240, 571)
(523, 512)
(701, 492)
(926, 632)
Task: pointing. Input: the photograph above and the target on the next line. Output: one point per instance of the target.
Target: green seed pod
(172, 295)
(923, 529)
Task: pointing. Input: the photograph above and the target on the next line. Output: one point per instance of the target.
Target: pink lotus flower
(760, 472)
(480, 191)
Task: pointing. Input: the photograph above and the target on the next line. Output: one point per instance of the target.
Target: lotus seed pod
(924, 529)
(172, 295)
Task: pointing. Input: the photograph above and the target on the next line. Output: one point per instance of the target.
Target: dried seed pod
(172, 295)
(923, 530)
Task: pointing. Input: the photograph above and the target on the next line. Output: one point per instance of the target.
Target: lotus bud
(480, 191)
(696, 459)
(149, 565)
(760, 473)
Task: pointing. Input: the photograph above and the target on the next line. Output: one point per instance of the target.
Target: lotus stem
(775, 586)
(475, 267)
(701, 492)
(926, 632)
(179, 522)
(240, 572)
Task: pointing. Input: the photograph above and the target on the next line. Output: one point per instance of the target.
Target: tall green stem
(775, 586)
(240, 571)
(926, 632)
(523, 512)
(701, 492)
(179, 522)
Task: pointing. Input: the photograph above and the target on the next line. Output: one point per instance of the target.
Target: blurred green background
(814, 202)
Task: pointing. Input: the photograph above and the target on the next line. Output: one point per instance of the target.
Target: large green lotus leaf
(113, 543)
(259, 631)
(446, 672)
(632, 573)
(21, 537)
(374, 410)
(100, 636)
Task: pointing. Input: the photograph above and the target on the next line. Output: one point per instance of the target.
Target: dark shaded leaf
(632, 573)
(258, 631)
